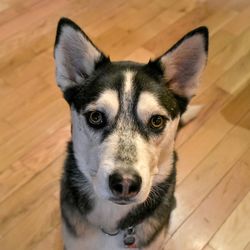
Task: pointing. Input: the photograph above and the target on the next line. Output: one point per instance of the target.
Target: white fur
(148, 105)
(94, 239)
(165, 150)
(107, 103)
(128, 81)
(106, 214)
(107, 165)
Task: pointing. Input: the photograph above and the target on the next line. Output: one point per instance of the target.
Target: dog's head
(125, 114)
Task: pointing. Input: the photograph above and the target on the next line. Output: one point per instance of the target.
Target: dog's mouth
(122, 201)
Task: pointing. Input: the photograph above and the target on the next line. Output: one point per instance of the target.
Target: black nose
(124, 186)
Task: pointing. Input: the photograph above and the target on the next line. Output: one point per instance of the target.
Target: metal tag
(129, 239)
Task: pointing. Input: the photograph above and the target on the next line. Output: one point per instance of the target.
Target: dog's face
(125, 115)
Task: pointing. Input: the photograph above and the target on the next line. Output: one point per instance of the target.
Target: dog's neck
(106, 214)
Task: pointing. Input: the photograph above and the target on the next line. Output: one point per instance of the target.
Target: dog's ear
(183, 64)
(75, 55)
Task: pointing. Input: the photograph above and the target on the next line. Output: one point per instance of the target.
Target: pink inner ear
(184, 65)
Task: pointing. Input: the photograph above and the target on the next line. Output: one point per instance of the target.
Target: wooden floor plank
(239, 23)
(234, 233)
(51, 241)
(234, 51)
(236, 77)
(23, 202)
(219, 41)
(196, 186)
(170, 35)
(215, 128)
(46, 217)
(208, 247)
(196, 231)
(33, 162)
(34, 132)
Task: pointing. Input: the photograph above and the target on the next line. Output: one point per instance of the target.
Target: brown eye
(96, 119)
(157, 122)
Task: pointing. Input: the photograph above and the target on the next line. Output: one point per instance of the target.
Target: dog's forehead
(144, 86)
(129, 80)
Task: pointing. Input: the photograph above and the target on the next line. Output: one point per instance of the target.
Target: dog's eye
(157, 122)
(96, 119)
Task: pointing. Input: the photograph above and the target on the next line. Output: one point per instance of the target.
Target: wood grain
(234, 233)
(213, 189)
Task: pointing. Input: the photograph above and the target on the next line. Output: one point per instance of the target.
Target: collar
(110, 233)
(129, 237)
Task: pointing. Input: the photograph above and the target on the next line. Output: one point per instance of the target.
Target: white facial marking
(148, 105)
(106, 154)
(144, 155)
(165, 148)
(128, 75)
(84, 144)
(107, 102)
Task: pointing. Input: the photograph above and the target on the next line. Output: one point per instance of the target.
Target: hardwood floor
(213, 192)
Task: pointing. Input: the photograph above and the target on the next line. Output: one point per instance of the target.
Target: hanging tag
(129, 238)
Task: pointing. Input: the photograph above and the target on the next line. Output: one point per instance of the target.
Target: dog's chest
(103, 218)
(94, 239)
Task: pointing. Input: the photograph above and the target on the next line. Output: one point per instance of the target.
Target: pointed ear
(184, 62)
(75, 55)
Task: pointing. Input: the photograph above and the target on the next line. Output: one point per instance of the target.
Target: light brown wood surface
(213, 192)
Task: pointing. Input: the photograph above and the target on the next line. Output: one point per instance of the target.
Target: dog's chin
(123, 202)
(129, 201)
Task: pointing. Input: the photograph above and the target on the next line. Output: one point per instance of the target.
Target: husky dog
(117, 188)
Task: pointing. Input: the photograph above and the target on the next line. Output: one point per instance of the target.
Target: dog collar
(110, 233)
(129, 239)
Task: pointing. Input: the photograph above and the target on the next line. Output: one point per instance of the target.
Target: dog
(118, 183)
